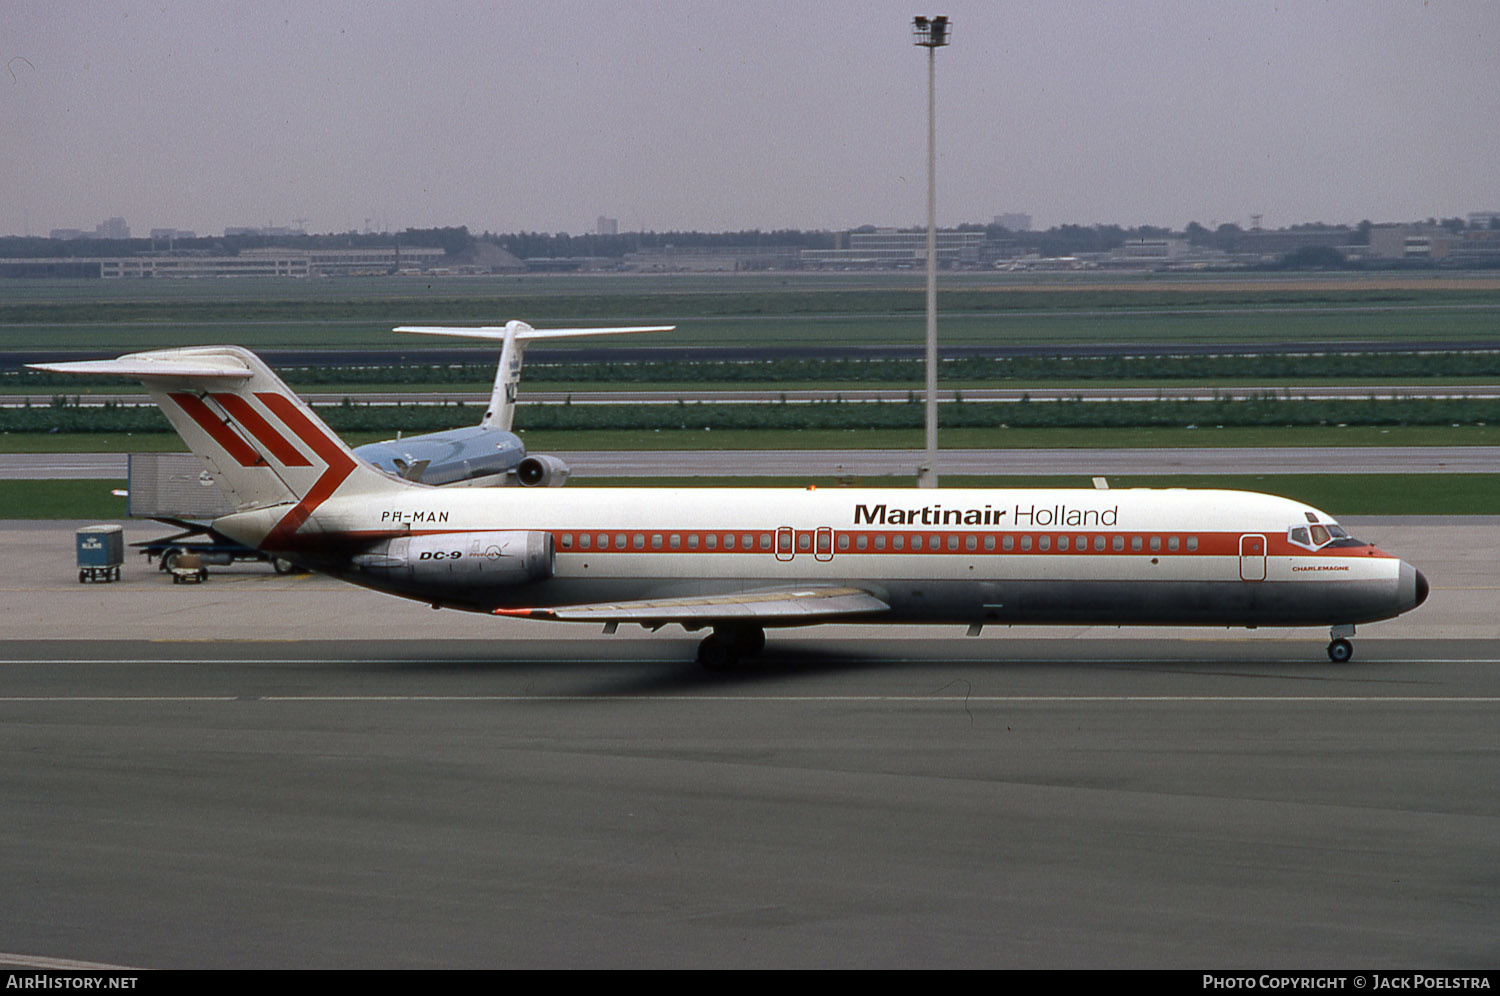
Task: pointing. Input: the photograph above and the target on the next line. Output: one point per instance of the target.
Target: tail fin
(515, 336)
(262, 444)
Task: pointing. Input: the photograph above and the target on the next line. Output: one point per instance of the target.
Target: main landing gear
(1339, 648)
(728, 644)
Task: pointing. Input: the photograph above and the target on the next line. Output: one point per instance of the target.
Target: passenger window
(729, 541)
(639, 541)
(1135, 544)
(1098, 542)
(1119, 542)
(692, 541)
(898, 542)
(765, 541)
(1156, 544)
(711, 541)
(862, 542)
(619, 541)
(1192, 544)
(567, 541)
(1025, 542)
(953, 542)
(1045, 542)
(656, 541)
(989, 542)
(583, 541)
(843, 541)
(880, 542)
(1172, 544)
(675, 541)
(1008, 542)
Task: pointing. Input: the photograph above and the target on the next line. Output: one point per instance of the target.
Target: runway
(269, 771)
(1028, 462)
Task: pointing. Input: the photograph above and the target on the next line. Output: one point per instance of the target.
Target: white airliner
(736, 561)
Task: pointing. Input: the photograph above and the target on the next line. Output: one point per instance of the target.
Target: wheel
(1340, 650)
(83, 576)
(716, 653)
(747, 640)
(282, 566)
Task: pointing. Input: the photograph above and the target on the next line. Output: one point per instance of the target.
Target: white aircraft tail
(514, 337)
(262, 444)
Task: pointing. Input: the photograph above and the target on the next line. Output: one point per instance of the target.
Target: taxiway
(269, 771)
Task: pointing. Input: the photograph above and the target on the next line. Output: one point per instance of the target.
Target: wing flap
(799, 604)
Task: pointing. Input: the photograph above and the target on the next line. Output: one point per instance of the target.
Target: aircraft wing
(809, 604)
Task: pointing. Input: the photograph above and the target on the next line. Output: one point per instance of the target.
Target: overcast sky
(758, 114)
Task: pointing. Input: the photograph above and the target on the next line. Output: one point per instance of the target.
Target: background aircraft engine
(541, 472)
(478, 559)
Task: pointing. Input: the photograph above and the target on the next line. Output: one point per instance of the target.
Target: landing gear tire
(1340, 650)
(728, 645)
(716, 653)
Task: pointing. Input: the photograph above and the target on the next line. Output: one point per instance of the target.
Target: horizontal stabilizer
(156, 365)
(801, 604)
(524, 332)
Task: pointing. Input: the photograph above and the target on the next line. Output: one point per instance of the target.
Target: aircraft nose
(1413, 586)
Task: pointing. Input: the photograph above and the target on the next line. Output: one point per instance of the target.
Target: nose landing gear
(1340, 650)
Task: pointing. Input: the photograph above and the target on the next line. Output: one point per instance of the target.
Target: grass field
(1354, 494)
(100, 318)
(552, 441)
(779, 309)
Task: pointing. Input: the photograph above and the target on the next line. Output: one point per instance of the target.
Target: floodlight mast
(932, 33)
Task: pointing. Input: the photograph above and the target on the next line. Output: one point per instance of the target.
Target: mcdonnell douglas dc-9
(738, 561)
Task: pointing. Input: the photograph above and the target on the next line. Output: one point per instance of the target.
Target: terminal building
(286, 263)
(892, 249)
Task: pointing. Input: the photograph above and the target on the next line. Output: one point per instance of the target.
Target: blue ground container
(101, 551)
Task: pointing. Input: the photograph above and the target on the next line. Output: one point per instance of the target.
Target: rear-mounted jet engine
(481, 559)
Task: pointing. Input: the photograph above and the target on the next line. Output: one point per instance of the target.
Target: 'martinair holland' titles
(1025, 517)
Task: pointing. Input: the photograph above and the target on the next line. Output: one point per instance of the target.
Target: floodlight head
(931, 32)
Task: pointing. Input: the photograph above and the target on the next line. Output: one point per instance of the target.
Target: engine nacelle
(541, 472)
(462, 560)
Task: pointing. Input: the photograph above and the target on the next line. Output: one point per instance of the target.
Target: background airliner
(736, 561)
(487, 454)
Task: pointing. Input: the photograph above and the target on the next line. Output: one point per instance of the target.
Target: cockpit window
(1315, 536)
